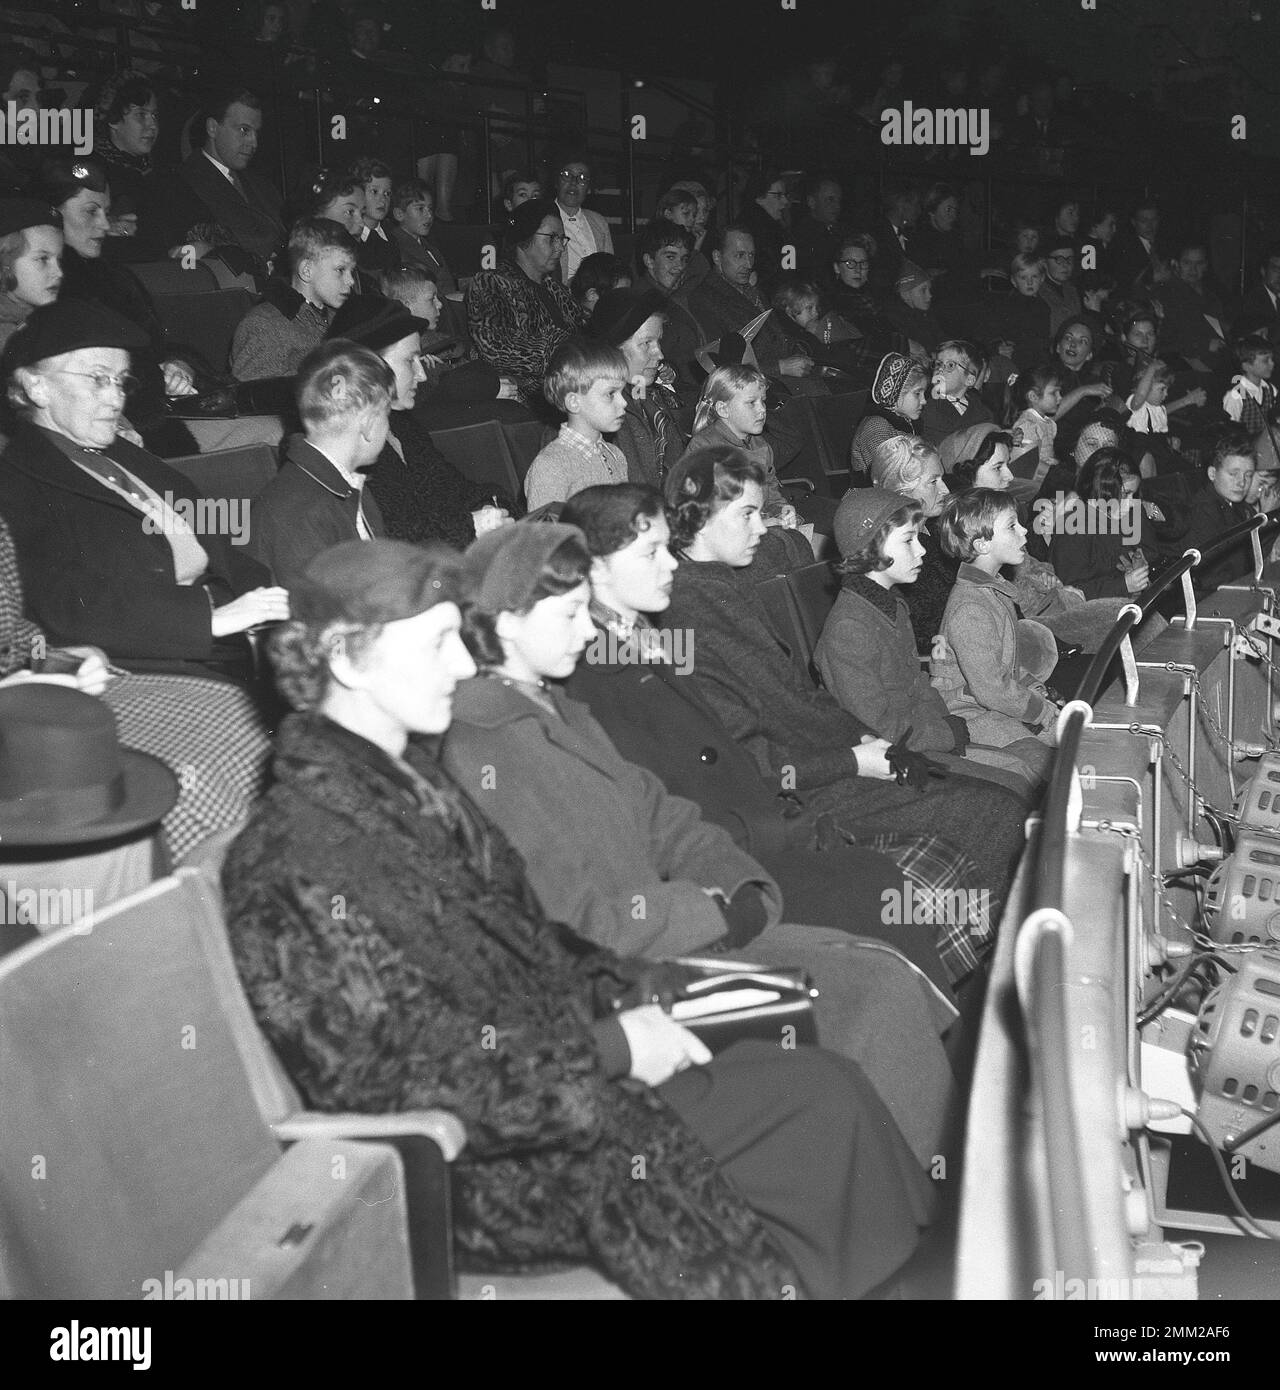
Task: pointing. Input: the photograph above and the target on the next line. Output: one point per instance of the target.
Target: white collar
(1247, 388)
(564, 212)
(353, 480)
(221, 168)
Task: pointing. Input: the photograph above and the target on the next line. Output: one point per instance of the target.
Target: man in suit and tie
(900, 209)
(1133, 251)
(212, 200)
(1260, 311)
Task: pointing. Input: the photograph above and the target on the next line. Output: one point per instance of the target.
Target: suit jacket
(1128, 258)
(721, 308)
(1257, 313)
(307, 507)
(1212, 516)
(197, 193)
(92, 574)
(617, 837)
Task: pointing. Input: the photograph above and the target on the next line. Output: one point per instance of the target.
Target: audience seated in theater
(955, 402)
(688, 206)
(1221, 504)
(103, 530)
(900, 211)
(274, 336)
(764, 215)
(127, 126)
(663, 249)
(77, 188)
(1019, 322)
(520, 313)
(895, 406)
(1035, 396)
(520, 187)
(19, 84)
(442, 895)
(378, 250)
(317, 499)
(586, 232)
(213, 200)
(726, 301)
(855, 302)
(799, 736)
(1134, 251)
(1057, 289)
(1083, 390)
(30, 260)
(412, 217)
(649, 436)
(209, 731)
(1260, 310)
(816, 229)
(597, 274)
(1191, 310)
(419, 492)
(840, 352)
(935, 242)
(449, 375)
(634, 679)
(1108, 551)
(619, 834)
(907, 465)
(585, 381)
(1250, 401)
(908, 309)
(991, 664)
(866, 655)
(338, 195)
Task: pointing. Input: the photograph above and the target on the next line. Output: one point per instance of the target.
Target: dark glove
(746, 915)
(961, 731)
(911, 769)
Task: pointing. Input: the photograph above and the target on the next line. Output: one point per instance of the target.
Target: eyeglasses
(1063, 256)
(952, 366)
(102, 381)
(855, 265)
(573, 176)
(776, 193)
(556, 238)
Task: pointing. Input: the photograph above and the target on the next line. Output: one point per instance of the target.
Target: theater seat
(525, 439)
(200, 307)
(814, 590)
(428, 1140)
(479, 452)
(230, 473)
(132, 1148)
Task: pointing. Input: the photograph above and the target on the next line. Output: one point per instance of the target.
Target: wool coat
(384, 1006)
(626, 865)
(868, 661)
(977, 671)
(307, 507)
(609, 851)
(722, 308)
(92, 573)
(803, 741)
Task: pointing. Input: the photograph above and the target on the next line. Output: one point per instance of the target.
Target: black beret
(67, 325)
(621, 313)
(374, 322)
(17, 214)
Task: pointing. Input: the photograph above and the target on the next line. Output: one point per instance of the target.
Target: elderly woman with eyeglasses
(115, 548)
(520, 313)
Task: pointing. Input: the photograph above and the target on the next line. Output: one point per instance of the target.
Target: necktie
(238, 185)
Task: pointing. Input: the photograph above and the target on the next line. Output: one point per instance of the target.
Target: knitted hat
(861, 513)
(378, 581)
(501, 567)
(911, 276)
(890, 375)
(963, 444)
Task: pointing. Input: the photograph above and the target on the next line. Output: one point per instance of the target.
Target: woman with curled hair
(520, 313)
(801, 739)
(113, 545)
(442, 938)
(127, 117)
(337, 194)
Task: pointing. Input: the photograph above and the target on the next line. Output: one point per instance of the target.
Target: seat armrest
(427, 1142)
(445, 1129)
(804, 484)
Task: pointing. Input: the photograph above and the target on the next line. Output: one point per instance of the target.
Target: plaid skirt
(211, 735)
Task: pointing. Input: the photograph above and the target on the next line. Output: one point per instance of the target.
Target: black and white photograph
(638, 662)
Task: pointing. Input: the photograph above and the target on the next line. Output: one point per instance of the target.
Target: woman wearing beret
(520, 313)
(112, 545)
(442, 944)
